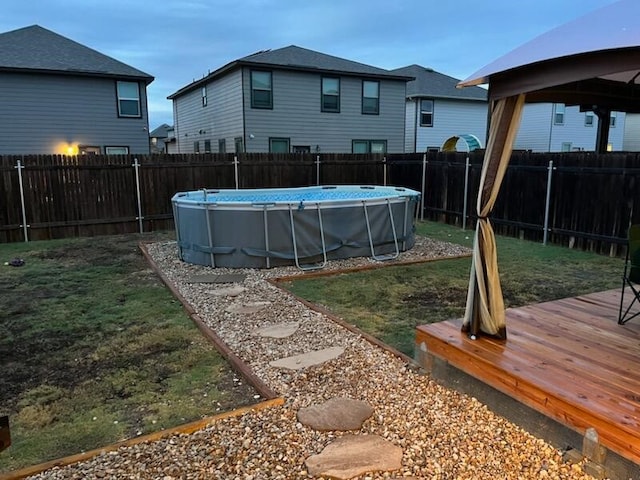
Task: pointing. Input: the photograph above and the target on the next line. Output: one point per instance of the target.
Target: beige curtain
(485, 305)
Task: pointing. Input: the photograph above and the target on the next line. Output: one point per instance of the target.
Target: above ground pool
(307, 226)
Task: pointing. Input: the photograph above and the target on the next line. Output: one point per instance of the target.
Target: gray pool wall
(260, 236)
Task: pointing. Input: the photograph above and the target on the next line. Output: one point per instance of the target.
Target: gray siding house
(57, 96)
(632, 133)
(436, 110)
(292, 100)
(159, 138)
(555, 127)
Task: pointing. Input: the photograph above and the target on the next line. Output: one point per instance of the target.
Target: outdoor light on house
(66, 148)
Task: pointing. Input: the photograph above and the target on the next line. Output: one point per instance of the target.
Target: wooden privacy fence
(54, 196)
(577, 199)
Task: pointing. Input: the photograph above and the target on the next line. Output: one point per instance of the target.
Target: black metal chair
(631, 276)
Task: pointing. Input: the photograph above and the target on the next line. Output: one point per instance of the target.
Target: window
(222, 146)
(261, 92)
(204, 96)
(128, 99)
(426, 113)
(116, 150)
(301, 149)
(612, 119)
(330, 95)
(588, 119)
(278, 145)
(566, 147)
(378, 146)
(239, 144)
(370, 97)
(89, 150)
(558, 114)
(207, 146)
(369, 146)
(196, 147)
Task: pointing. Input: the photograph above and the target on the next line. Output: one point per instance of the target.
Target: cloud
(177, 41)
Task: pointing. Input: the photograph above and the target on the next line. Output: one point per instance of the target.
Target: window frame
(425, 112)
(124, 147)
(120, 99)
(238, 141)
(377, 98)
(323, 108)
(368, 143)
(257, 105)
(89, 150)
(556, 112)
(279, 139)
(591, 117)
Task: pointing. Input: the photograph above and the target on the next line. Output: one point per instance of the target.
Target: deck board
(568, 359)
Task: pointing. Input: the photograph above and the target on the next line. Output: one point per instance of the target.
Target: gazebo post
(604, 122)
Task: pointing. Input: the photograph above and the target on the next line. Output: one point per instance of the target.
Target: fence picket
(589, 204)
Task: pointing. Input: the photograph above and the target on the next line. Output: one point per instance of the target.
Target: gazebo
(592, 62)
(568, 371)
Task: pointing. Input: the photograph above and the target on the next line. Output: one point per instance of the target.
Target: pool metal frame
(293, 206)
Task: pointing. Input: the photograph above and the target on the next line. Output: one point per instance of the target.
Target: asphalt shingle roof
(35, 48)
(160, 132)
(295, 57)
(429, 83)
(301, 59)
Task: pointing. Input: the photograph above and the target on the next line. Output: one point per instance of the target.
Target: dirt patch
(94, 343)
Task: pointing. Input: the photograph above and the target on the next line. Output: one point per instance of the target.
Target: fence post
(317, 172)
(136, 167)
(545, 234)
(384, 170)
(424, 182)
(24, 210)
(235, 169)
(466, 194)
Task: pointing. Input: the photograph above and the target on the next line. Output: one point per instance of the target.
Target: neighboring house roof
(429, 83)
(298, 59)
(161, 131)
(36, 49)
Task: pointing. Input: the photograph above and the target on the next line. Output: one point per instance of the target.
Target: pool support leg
(393, 230)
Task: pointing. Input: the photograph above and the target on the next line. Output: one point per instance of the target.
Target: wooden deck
(568, 359)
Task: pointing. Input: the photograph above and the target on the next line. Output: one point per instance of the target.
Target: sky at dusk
(180, 41)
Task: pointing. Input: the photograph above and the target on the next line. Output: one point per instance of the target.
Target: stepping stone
(336, 414)
(228, 292)
(308, 359)
(353, 455)
(221, 278)
(247, 308)
(280, 330)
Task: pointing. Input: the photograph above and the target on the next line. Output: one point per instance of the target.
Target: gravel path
(444, 434)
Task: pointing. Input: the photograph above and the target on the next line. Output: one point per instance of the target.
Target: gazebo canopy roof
(593, 60)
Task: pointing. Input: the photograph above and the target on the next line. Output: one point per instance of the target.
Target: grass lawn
(388, 303)
(94, 349)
